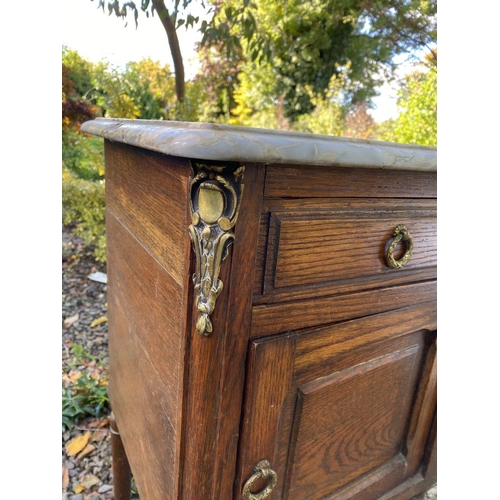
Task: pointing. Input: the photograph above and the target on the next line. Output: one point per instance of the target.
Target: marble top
(208, 141)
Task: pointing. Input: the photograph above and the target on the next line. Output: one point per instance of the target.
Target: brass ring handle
(261, 471)
(400, 234)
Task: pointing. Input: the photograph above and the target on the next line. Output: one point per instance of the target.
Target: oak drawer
(342, 246)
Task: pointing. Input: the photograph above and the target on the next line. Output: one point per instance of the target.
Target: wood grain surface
(147, 292)
(337, 246)
(215, 366)
(147, 192)
(282, 317)
(295, 181)
(336, 409)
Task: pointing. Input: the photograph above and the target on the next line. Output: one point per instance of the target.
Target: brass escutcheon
(400, 234)
(261, 471)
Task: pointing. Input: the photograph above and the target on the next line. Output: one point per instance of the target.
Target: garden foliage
(417, 103)
(84, 393)
(144, 89)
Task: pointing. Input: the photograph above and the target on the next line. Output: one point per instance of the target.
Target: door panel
(345, 428)
(348, 424)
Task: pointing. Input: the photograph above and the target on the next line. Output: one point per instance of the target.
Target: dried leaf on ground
(65, 478)
(74, 376)
(86, 451)
(99, 435)
(89, 480)
(98, 321)
(71, 320)
(77, 444)
(78, 488)
(104, 423)
(94, 423)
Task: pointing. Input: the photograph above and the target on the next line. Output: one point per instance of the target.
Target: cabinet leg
(121, 468)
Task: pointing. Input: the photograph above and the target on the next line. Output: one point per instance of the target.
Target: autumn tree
(359, 123)
(76, 83)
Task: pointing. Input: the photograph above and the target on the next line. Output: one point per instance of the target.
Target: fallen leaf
(65, 478)
(69, 321)
(94, 423)
(78, 488)
(74, 376)
(104, 423)
(99, 435)
(98, 321)
(89, 480)
(77, 444)
(86, 451)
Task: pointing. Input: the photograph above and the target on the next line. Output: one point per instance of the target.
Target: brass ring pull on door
(261, 471)
(400, 234)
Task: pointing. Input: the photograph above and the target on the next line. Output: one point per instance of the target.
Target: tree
(328, 114)
(417, 103)
(152, 88)
(113, 93)
(79, 72)
(307, 43)
(171, 21)
(219, 76)
(358, 123)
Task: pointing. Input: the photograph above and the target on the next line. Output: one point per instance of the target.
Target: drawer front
(345, 247)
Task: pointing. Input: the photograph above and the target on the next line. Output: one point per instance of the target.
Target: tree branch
(173, 42)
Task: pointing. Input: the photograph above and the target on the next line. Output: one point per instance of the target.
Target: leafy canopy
(417, 104)
(308, 43)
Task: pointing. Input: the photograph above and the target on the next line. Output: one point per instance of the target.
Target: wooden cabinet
(272, 310)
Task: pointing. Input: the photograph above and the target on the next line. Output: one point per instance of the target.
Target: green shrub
(83, 208)
(88, 397)
(86, 394)
(83, 155)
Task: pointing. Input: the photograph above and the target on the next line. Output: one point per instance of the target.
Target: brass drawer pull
(261, 471)
(400, 234)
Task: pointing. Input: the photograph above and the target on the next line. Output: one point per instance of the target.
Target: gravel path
(87, 474)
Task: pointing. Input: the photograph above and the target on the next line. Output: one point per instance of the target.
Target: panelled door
(342, 411)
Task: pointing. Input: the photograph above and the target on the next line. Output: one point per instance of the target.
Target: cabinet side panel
(147, 192)
(148, 263)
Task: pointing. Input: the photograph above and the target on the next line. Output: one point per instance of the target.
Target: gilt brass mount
(261, 471)
(215, 203)
(400, 234)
